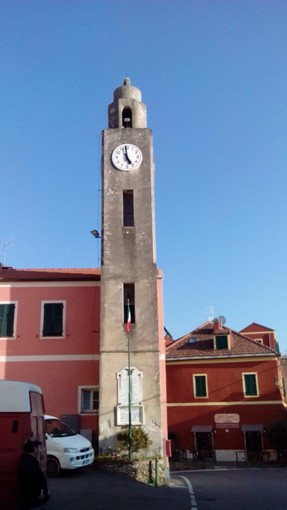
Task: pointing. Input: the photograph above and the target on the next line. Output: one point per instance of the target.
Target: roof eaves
(260, 327)
(250, 355)
(8, 274)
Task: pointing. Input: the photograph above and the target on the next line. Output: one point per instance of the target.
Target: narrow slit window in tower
(127, 118)
(128, 208)
(129, 301)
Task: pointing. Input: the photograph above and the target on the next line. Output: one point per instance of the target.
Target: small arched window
(127, 118)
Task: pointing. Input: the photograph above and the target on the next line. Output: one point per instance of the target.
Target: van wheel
(53, 467)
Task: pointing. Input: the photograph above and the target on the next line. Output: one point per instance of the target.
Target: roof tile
(9, 274)
(202, 345)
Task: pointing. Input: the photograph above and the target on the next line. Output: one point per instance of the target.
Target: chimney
(216, 323)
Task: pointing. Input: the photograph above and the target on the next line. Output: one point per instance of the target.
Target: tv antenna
(210, 313)
(5, 245)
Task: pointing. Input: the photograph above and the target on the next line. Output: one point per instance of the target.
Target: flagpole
(130, 410)
(128, 327)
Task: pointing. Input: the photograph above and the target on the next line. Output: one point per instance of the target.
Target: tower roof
(127, 91)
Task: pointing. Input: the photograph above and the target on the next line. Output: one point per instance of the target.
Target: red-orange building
(224, 391)
(262, 335)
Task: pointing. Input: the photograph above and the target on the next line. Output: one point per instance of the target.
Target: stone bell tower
(131, 284)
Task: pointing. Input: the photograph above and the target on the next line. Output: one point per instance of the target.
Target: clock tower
(132, 350)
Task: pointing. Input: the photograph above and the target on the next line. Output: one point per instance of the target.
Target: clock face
(127, 157)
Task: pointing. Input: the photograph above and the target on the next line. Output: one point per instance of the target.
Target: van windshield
(56, 428)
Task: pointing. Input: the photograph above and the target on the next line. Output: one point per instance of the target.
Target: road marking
(191, 493)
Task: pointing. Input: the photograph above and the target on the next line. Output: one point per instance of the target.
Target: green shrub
(139, 439)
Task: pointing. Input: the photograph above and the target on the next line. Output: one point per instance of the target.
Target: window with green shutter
(200, 389)
(7, 318)
(53, 319)
(221, 342)
(250, 385)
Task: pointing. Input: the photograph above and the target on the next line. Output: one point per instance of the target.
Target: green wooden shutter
(7, 313)
(250, 384)
(58, 319)
(2, 324)
(200, 386)
(53, 319)
(221, 342)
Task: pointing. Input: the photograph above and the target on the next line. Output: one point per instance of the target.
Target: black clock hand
(126, 155)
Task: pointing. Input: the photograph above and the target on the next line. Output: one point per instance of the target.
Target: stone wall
(152, 472)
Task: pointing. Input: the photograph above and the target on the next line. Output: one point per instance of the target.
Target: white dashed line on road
(191, 493)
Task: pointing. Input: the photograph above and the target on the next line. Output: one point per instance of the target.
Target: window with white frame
(8, 319)
(200, 385)
(221, 342)
(250, 384)
(53, 319)
(89, 399)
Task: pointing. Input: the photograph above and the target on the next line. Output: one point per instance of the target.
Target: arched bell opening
(127, 118)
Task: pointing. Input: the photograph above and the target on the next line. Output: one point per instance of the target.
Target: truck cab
(21, 418)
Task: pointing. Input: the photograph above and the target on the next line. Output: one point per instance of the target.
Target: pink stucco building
(49, 335)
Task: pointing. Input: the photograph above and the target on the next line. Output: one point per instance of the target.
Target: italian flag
(129, 319)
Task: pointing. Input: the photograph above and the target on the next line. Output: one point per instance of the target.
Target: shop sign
(227, 420)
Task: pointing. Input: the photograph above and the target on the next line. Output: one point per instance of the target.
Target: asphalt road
(238, 489)
(90, 489)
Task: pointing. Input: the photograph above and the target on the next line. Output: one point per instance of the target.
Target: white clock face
(127, 157)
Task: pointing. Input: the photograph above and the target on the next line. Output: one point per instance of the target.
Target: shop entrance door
(204, 445)
(253, 441)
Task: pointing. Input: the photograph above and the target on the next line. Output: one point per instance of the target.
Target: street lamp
(95, 233)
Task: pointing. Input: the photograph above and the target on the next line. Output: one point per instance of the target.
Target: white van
(65, 448)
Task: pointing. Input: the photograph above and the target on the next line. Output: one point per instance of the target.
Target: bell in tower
(127, 110)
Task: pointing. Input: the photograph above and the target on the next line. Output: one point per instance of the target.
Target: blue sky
(213, 75)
